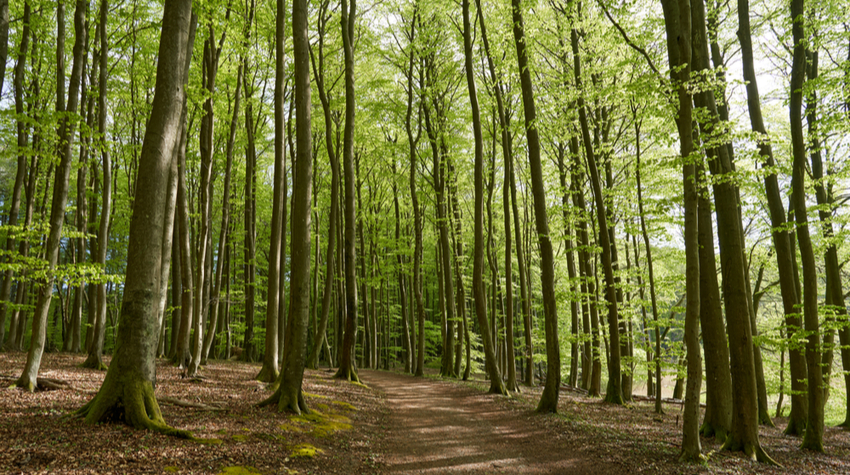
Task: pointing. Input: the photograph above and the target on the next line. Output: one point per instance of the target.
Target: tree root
(752, 451)
(286, 401)
(347, 373)
(42, 384)
(133, 402)
(795, 427)
(93, 362)
(267, 374)
(189, 404)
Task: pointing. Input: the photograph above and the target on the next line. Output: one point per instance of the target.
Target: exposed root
(189, 404)
(287, 400)
(763, 457)
(347, 373)
(267, 374)
(131, 401)
(795, 427)
(94, 362)
(41, 384)
(708, 430)
(753, 452)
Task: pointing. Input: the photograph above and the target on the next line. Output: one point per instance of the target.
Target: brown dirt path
(434, 426)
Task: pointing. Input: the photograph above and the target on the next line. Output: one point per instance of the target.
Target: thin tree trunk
(813, 436)
(549, 398)
(67, 129)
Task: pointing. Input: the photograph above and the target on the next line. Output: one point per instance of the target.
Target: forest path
(441, 427)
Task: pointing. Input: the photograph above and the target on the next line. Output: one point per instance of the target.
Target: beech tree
(128, 388)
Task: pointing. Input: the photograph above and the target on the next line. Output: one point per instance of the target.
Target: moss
(305, 451)
(345, 405)
(319, 396)
(321, 425)
(358, 383)
(236, 470)
(240, 438)
(171, 469)
(207, 441)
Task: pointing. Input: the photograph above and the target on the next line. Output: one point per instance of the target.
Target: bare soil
(441, 427)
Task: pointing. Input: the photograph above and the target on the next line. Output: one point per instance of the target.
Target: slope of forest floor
(399, 424)
(636, 440)
(242, 438)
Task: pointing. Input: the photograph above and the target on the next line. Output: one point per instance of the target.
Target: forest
(554, 204)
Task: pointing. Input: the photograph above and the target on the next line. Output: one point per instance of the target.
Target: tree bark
(67, 127)
(549, 398)
(813, 436)
(288, 396)
(346, 367)
(129, 385)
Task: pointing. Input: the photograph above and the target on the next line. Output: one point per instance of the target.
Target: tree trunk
(614, 392)
(269, 371)
(480, 297)
(549, 398)
(346, 367)
(67, 129)
(21, 175)
(128, 389)
(288, 395)
(813, 436)
(677, 16)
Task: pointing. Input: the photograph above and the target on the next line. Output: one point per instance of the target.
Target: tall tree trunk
(614, 392)
(269, 371)
(288, 396)
(790, 299)
(507, 155)
(128, 388)
(496, 384)
(825, 200)
(94, 359)
(346, 368)
(21, 175)
(718, 415)
(413, 156)
(813, 436)
(549, 398)
(677, 19)
(67, 127)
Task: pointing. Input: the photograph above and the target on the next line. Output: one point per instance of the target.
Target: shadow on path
(441, 427)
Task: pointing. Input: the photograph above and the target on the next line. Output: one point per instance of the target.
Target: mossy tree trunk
(127, 392)
(288, 396)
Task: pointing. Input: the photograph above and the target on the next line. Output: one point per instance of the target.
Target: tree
(677, 20)
(813, 437)
(497, 386)
(28, 379)
(549, 398)
(288, 395)
(128, 389)
(269, 371)
(346, 361)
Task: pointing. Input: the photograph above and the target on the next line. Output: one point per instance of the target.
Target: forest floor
(398, 424)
